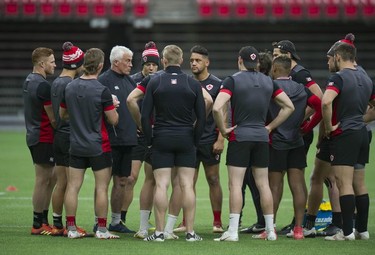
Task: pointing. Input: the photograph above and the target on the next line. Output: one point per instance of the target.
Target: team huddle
(170, 122)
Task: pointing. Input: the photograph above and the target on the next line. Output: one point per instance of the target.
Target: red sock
(217, 217)
(70, 221)
(102, 222)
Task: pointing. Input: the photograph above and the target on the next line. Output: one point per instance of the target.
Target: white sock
(56, 215)
(116, 218)
(234, 219)
(157, 233)
(143, 224)
(171, 221)
(269, 221)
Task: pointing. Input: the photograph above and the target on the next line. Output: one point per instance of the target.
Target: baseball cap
(250, 57)
(288, 46)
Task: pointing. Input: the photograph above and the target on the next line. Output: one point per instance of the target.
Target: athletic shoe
(217, 229)
(74, 234)
(180, 228)
(105, 235)
(271, 235)
(285, 230)
(298, 233)
(253, 229)
(57, 231)
(95, 228)
(120, 228)
(81, 231)
(340, 237)
(170, 236)
(330, 230)
(227, 237)
(154, 238)
(308, 233)
(362, 236)
(151, 227)
(193, 237)
(261, 235)
(45, 230)
(141, 234)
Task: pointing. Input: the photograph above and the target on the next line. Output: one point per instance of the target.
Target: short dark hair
(283, 63)
(265, 62)
(39, 53)
(199, 50)
(346, 51)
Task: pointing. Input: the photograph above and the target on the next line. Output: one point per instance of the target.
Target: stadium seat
(278, 9)
(99, 8)
(296, 9)
(241, 8)
(205, 8)
(11, 8)
(223, 8)
(331, 9)
(350, 9)
(314, 9)
(368, 9)
(46, 8)
(64, 8)
(140, 8)
(117, 8)
(259, 9)
(82, 8)
(29, 8)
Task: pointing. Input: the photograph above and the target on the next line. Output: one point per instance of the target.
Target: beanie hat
(349, 39)
(150, 54)
(72, 56)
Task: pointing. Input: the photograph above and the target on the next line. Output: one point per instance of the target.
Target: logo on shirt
(308, 79)
(330, 83)
(209, 86)
(173, 81)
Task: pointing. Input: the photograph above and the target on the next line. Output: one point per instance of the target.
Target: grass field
(16, 218)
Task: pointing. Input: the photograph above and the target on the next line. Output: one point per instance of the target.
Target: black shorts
(206, 155)
(169, 151)
(61, 144)
(282, 160)
(350, 148)
(308, 138)
(122, 160)
(324, 152)
(362, 166)
(42, 153)
(141, 152)
(96, 163)
(244, 154)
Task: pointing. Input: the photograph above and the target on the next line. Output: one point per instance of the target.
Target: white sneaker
(105, 235)
(308, 233)
(170, 236)
(227, 237)
(362, 236)
(217, 229)
(155, 238)
(193, 237)
(271, 235)
(141, 234)
(74, 234)
(340, 237)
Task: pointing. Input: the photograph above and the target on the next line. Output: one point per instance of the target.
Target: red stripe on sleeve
(109, 108)
(372, 97)
(63, 105)
(141, 88)
(309, 84)
(45, 103)
(334, 89)
(226, 91)
(277, 92)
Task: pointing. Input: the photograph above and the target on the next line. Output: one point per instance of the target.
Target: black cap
(288, 46)
(250, 57)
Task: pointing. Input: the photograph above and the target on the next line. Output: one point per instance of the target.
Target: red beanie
(349, 39)
(72, 56)
(150, 54)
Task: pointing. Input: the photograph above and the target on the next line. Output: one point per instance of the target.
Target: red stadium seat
(241, 8)
(99, 8)
(11, 8)
(46, 8)
(223, 8)
(314, 9)
(368, 9)
(82, 8)
(259, 9)
(331, 9)
(140, 8)
(29, 8)
(205, 8)
(296, 9)
(278, 9)
(350, 9)
(64, 8)
(117, 8)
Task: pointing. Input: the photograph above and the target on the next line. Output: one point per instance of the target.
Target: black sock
(37, 219)
(123, 216)
(337, 219)
(347, 203)
(57, 222)
(149, 215)
(362, 204)
(45, 217)
(310, 221)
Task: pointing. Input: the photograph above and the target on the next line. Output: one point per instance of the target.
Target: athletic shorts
(206, 155)
(141, 152)
(308, 138)
(323, 152)
(96, 163)
(282, 160)
(42, 153)
(122, 160)
(169, 151)
(61, 144)
(350, 148)
(245, 154)
(362, 166)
